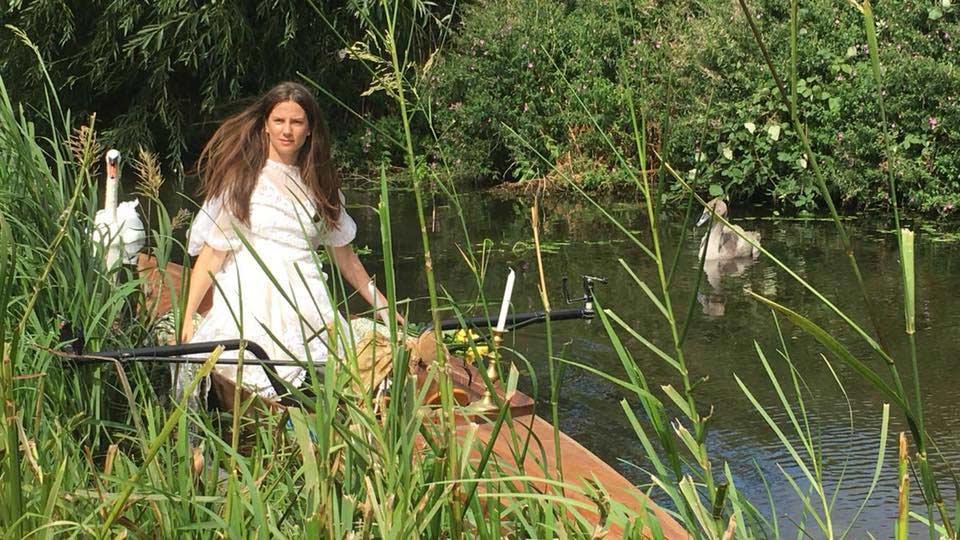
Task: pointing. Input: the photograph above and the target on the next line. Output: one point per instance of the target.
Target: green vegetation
(712, 107)
(162, 74)
(74, 463)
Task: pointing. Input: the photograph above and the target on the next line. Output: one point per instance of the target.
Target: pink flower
(525, 107)
(529, 65)
(657, 44)
(932, 122)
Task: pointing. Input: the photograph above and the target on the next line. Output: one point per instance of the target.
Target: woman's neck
(273, 155)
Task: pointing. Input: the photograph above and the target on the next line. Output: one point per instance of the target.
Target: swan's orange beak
(113, 160)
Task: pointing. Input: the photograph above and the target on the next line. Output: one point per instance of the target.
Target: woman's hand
(186, 334)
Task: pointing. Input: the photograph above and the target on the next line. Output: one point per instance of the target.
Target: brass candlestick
(486, 403)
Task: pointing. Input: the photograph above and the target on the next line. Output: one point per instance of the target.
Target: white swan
(725, 242)
(118, 227)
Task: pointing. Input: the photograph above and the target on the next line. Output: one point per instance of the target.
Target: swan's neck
(110, 197)
(716, 231)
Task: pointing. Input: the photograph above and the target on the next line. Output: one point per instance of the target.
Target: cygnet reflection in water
(713, 300)
(725, 242)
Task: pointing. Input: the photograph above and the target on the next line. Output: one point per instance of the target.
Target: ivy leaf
(774, 132)
(834, 104)
(716, 190)
(728, 153)
(851, 51)
(751, 127)
(935, 13)
(802, 162)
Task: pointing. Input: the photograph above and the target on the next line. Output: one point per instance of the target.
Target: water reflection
(713, 299)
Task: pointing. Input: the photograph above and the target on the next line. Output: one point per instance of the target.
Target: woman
(272, 194)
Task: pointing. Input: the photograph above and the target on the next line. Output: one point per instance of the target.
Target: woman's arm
(209, 262)
(356, 275)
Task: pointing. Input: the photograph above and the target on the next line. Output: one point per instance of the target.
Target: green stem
(158, 442)
(446, 390)
(698, 424)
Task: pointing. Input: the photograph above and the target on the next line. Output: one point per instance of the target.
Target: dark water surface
(726, 324)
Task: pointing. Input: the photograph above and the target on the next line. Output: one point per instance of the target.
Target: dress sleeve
(346, 228)
(214, 226)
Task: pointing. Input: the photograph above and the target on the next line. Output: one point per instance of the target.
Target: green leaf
(679, 401)
(838, 350)
(909, 288)
(728, 153)
(751, 127)
(935, 13)
(716, 190)
(834, 104)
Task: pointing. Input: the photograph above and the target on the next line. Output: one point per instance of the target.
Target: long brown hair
(233, 158)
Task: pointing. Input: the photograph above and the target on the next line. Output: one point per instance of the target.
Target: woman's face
(287, 129)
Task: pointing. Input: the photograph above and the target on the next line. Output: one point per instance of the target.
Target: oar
(519, 320)
(174, 354)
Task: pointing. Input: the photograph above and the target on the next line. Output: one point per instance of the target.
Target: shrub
(509, 88)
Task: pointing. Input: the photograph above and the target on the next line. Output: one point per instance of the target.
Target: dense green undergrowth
(523, 67)
(497, 74)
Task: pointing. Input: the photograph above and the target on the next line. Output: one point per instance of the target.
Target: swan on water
(118, 227)
(724, 242)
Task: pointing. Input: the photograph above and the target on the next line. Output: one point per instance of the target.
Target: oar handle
(187, 348)
(171, 352)
(517, 320)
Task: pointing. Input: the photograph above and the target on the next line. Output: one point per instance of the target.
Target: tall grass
(96, 452)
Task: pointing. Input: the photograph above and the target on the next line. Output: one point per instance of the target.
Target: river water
(725, 330)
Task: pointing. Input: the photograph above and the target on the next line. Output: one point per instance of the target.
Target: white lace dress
(281, 301)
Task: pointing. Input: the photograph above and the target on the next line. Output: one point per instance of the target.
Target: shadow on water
(725, 325)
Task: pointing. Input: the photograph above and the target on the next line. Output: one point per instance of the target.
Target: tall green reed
(912, 409)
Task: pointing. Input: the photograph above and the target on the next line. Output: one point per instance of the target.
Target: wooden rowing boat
(578, 466)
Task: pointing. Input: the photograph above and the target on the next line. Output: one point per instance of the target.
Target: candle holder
(486, 403)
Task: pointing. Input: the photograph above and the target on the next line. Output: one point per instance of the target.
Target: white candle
(505, 306)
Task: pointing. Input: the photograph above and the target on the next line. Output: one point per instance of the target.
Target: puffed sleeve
(214, 226)
(344, 232)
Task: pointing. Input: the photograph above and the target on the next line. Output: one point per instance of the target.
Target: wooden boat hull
(577, 465)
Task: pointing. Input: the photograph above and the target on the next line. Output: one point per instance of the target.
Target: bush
(164, 74)
(508, 94)
(508, 91)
